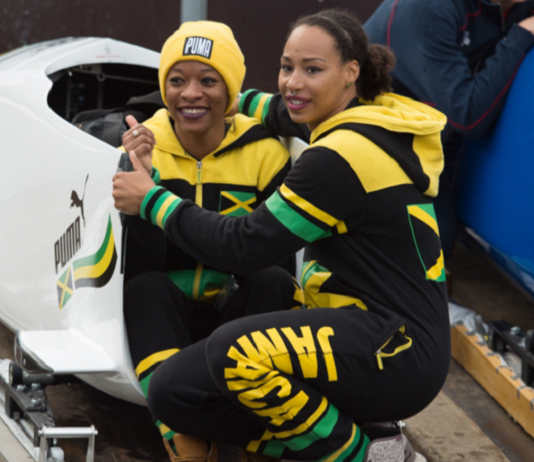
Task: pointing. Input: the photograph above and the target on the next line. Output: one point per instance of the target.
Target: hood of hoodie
(388, 114)
(241, 131)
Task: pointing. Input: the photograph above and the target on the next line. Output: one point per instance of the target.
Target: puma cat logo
(77, 202)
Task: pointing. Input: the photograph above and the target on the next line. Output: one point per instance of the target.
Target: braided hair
(376, 61)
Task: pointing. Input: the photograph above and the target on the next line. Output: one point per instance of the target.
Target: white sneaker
(388, 449)
(392, 448)
(410, 455)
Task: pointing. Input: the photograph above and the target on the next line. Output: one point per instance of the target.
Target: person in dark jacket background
(459, 56)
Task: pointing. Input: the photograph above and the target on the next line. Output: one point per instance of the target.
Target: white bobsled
(61, 285)
(60, 249)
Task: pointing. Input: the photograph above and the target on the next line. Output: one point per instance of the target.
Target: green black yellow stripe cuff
(245, 98)
(156, 177)
(293, 221)
(308, 207)
(322, 430)
(255, 104)
(158, 204)
(353, 450)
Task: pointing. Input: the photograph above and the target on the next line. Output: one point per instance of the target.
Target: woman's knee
(270, 277)
(272, 289)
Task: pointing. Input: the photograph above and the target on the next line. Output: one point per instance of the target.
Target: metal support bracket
(47, 433)
(28, 405)
(27, 413)
(502, 335)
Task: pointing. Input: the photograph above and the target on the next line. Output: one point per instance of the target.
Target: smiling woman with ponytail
(373, 344)
(375, 61)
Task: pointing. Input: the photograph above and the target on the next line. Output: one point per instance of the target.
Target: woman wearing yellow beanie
(228, 165)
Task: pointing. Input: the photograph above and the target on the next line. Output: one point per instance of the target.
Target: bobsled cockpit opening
(98, 86)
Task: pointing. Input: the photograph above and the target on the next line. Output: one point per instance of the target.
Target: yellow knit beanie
(209, 42)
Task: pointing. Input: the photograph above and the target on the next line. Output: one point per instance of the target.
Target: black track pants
(160, 320)
(298, 383)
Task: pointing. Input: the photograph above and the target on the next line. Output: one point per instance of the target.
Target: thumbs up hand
(130, 188)
(141, 140)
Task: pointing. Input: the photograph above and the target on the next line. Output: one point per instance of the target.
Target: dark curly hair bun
(376, 61)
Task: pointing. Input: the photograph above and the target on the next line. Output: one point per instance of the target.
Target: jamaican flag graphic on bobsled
(91, 271)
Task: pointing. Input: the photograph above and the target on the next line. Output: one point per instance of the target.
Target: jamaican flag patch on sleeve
(236, 203)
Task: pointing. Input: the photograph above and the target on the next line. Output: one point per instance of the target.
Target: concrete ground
(463, 424)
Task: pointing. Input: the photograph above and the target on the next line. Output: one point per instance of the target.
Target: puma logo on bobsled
(77, 202)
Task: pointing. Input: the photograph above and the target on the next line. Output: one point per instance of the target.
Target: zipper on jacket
(198, 201)
(198, 192)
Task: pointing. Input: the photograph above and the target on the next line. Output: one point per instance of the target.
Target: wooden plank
(500, 381)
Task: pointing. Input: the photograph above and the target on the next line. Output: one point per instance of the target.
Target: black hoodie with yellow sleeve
(360, 198)
(244, 170)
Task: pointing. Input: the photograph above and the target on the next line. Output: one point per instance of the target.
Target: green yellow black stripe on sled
(92, 271)
(96, 270)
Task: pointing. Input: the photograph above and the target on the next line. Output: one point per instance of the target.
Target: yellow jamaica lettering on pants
(258, 368)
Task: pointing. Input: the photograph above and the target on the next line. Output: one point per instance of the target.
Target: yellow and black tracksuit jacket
(360, 198)
(244, 170)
